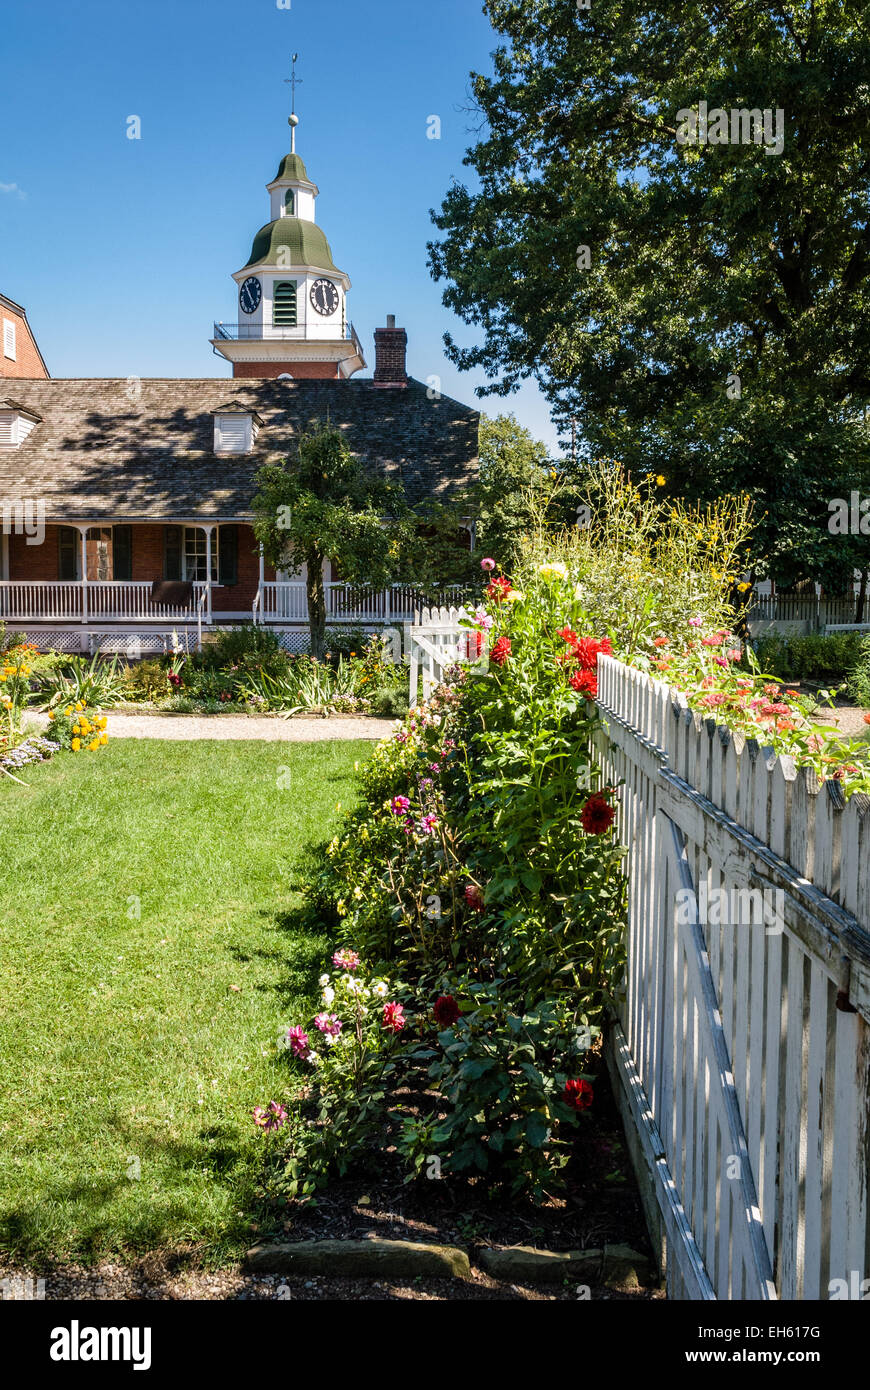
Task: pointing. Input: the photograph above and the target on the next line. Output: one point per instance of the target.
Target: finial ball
(292, 120)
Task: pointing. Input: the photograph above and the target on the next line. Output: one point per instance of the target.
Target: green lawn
(138, 1045)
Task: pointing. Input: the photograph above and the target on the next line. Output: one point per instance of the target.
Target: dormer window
(235, 431)
(289, 203)
(16, 422)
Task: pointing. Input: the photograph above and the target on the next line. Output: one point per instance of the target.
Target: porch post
(83, 536)
(262, 582)
(208, 534)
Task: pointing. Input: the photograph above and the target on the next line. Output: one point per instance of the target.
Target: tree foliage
(717, 331)
(323, 504)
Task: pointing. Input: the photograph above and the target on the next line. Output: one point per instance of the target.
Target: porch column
(83, 534)
(262, 581)
(208, 535)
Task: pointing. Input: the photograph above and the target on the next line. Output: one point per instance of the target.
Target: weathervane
(293, 82)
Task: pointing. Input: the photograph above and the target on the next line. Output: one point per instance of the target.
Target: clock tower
(292, 299)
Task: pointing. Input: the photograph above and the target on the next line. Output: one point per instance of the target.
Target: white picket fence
(435, 643)
(743, 1047)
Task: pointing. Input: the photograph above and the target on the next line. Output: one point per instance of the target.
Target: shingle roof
(291, 241)
(292, 167)
(145, 450)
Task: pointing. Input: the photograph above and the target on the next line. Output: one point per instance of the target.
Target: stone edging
(614, 1266)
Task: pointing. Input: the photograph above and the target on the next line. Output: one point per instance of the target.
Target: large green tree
(323, 504)
(700, 310)
(513, 481)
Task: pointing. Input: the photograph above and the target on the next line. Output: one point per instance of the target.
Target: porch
(144, 580)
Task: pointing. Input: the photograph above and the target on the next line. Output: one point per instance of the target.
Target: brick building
(126, 504)
(19, 353)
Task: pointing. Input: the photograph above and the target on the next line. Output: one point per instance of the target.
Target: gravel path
(239, 726)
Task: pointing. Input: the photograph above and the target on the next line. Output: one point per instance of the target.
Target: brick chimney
(391, 344)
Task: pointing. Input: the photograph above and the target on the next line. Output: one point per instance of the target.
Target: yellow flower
(94, 745)
(104, 739)
(514, 596)
(102, 722)
(51, 714)
(69, 712)
(341, 907)
(743, 587)
(660, 481)
(554, 569)
(76, 745)
(79, 704)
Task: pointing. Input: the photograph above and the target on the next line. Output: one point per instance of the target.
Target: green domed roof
(303, 240)
(292, 167)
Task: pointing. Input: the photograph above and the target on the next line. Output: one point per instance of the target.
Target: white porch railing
(285, 601)
(97, 601)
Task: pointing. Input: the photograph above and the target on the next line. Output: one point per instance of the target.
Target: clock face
(250, 295)
(325, 297)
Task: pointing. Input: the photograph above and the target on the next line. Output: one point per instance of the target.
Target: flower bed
(482, 882)
(75, 727)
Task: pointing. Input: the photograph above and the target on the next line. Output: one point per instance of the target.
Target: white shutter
(8, 429)
(232, 434)
(9, 339)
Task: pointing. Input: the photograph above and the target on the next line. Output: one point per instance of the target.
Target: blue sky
(121, 250)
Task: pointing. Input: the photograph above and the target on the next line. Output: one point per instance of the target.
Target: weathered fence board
(743, 1044)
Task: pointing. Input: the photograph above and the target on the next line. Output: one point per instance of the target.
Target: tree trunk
(316, 605)
(862, 596)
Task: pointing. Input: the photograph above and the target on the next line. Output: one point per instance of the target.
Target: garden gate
(742, 1048)
(435, 642)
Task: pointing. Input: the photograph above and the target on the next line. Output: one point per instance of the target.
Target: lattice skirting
(134, 644)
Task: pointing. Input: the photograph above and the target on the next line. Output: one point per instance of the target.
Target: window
(184, 554)
(98, 547)
(289, 203)
(284, 304)
(195, 555)
(9, 339)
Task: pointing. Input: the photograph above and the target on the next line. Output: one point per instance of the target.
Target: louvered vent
(233, 434)
(284, 304)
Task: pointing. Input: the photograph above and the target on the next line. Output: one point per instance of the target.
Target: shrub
(246, 648)
(147, 681)
(858, 683)
(389, 703)
(812, 656)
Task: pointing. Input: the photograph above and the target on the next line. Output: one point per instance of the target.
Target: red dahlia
(501, 651)
(474, 897)
(498, 588)
(585, 682)
(597, 815)
(578, 1094)
(446, 1010)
